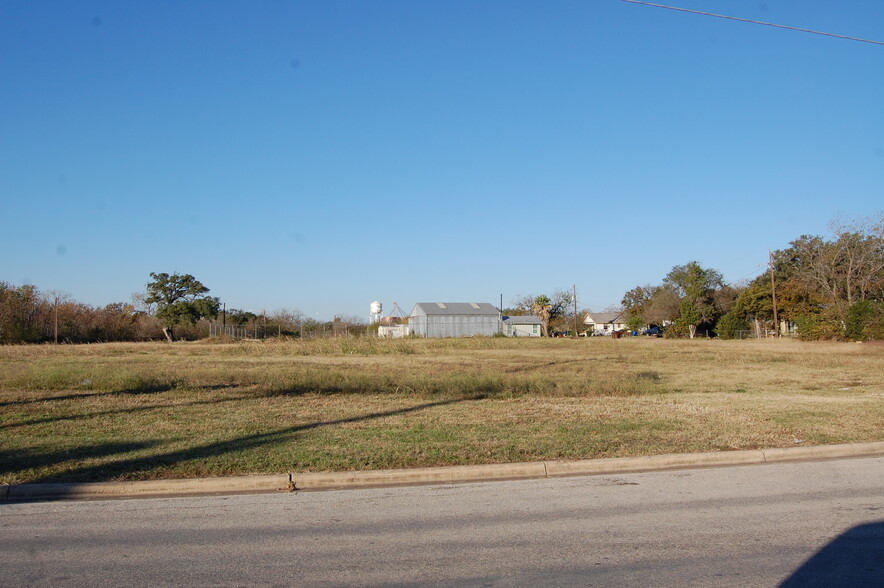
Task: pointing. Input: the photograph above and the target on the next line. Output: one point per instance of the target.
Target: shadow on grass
(854, 558)
(140, 465)
(15, 461)
(532, 367)
(475, 388)
(153, 389)
(132, 410)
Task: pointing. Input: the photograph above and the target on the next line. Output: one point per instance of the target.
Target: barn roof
(455, 308)
(523, 320)
(601, 318)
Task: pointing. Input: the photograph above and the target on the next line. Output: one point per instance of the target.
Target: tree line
(819, 287)
(30, 316)
(173, 306)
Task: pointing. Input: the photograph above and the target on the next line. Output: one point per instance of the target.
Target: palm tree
(542, 308)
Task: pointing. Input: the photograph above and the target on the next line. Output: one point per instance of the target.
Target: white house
(522, 326)
(604, 323)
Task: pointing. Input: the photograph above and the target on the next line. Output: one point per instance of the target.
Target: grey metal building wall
(454, 325)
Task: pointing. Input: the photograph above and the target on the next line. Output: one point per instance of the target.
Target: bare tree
(846, 270)
(662, 308)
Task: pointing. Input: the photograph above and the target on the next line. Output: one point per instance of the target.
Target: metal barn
(454, 319)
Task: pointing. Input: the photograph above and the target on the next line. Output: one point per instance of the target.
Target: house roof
(522, 320)
(601, 318)
(454, 308)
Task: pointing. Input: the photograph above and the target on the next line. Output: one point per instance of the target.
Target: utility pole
(574, 287)
(773, 293)
(56, 319)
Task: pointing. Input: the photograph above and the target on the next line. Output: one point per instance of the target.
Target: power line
(767, 24)
(753, 272)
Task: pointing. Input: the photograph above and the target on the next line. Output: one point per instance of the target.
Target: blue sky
(321, 155)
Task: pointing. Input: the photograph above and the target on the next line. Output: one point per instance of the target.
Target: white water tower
(376, 308)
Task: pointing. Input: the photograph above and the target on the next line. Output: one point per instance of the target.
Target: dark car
(653, 331)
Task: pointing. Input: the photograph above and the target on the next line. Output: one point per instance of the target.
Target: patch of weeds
(403, 348)
(635, 385)
(800, 418)
(651, 376)
(52, 377)
(88, 378)
(630, 426)
(139, 384)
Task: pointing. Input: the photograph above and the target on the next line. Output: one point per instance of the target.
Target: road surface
(810, 523)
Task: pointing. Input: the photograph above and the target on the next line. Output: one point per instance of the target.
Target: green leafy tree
(635, 305)
(731, 326)
(689, 317)
(755, 304)
(697, 286)
(180, 300)
(864, 320)
(756, 301)
(238, 317)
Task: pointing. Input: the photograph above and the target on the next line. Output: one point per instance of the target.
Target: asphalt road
(809, 523)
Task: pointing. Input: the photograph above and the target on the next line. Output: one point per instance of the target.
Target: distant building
(454, 319)
(522, 326)
(393, 330)
(605, 323)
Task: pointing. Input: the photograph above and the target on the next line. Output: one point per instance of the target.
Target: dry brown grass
(138, 411)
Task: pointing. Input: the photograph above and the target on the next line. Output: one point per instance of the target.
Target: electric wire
(749, 20)
(761, 267)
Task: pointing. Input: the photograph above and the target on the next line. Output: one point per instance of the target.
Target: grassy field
(146, 411)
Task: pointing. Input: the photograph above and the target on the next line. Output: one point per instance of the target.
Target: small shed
(522, 326)
(454, 319)
(393, 331)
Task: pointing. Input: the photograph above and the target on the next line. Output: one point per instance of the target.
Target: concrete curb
(612, 465)
(439, 475)
(824, 452)
(711, 459)
(314, 481)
